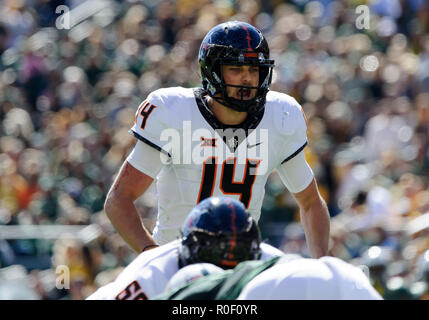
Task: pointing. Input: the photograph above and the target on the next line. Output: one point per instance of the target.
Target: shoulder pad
(160, 112)
(287, 114)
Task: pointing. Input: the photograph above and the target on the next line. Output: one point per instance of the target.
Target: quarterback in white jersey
(215, 169)
(218, 231)
(220, 140)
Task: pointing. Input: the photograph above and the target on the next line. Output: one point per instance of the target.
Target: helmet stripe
(233, 241)
(249, 47)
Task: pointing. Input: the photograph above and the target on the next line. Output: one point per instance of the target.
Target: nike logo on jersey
(253, 145)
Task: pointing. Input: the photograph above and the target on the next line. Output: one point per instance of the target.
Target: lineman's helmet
(219, 231)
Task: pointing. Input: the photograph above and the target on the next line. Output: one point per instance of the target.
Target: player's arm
(315, 219)
(298, 177)
(129, 184)
(137, 173)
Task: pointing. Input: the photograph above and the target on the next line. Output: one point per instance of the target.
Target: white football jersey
(148, 275)
(200, 160)
(327, 278)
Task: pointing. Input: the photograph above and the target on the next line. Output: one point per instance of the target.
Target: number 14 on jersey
(227, 183)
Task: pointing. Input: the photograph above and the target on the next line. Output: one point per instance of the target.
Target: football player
(288, 277)
(326, 278)
(218, 231)
(223, 139)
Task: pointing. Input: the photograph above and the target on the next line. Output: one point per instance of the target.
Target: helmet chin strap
(236, 105)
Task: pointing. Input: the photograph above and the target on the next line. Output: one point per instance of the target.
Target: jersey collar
(251, 122)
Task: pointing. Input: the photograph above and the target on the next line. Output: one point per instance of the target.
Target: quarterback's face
(241, 76)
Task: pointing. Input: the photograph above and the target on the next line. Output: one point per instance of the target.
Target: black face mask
(242, 105)
(225, 251)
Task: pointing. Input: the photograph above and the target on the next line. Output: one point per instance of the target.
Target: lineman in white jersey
(220, 140)
(289, 277)
(218, 231)
(326, 278)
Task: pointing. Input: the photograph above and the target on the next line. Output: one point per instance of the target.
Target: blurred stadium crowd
(68, 98)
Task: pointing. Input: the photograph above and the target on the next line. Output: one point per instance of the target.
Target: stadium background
(68, 98)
